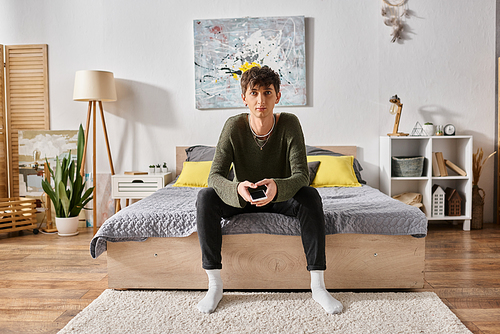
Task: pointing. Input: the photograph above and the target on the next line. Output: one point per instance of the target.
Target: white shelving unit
(457, 149)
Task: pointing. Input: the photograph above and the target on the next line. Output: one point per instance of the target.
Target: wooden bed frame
(268, 262)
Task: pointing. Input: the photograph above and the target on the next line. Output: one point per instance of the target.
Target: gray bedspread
(171, 212)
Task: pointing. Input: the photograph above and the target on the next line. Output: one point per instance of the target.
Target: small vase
(477, 208)
(67, 226)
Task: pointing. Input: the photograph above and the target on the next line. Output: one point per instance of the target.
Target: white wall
(444, 73)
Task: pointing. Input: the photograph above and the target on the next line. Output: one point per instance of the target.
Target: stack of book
(439, 166)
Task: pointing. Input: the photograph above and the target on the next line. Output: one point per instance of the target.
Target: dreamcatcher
(394, 16)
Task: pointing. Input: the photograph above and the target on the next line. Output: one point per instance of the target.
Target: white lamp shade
(94, 86)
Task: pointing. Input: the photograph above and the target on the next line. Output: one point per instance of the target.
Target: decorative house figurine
(438, 201)
(453, 202)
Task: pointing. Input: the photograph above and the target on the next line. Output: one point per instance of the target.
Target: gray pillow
(313, 169)
(204, 153)
(200, 153)
(312, 150)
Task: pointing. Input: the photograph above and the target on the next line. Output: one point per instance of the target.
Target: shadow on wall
(140, 105)
(435, 114)
(370, 172)
(480, 140)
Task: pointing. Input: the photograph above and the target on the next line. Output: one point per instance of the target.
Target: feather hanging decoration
(394, 16)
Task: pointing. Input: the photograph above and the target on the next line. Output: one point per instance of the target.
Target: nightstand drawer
(138, 186)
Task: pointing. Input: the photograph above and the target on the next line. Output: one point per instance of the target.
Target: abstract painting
(225, 48)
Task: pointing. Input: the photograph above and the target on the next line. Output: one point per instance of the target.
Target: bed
(373, 242)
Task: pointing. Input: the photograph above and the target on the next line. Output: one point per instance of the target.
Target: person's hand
(271, 191)
(243, 190)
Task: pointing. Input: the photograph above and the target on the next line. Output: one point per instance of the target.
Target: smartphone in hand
(258, 195)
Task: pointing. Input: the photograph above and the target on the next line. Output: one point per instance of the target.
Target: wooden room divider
(26, 88)
(4, 182)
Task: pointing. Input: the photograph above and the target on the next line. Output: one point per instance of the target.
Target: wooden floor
(45, 280)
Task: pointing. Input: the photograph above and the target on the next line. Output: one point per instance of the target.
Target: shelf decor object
(95, 87)
(407, 166)
(453, 202)
(429, 128)
(418, 130)
(449, 130)
(396, 109)
(438, 200)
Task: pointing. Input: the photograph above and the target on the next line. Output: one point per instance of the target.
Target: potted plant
(429, 128)
(68, 195)
(151, 169)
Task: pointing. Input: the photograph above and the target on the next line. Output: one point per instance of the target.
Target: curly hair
(260, 76)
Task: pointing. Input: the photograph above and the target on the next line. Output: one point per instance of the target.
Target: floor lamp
(95, 87)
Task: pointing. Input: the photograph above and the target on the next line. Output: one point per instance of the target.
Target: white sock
(321, 295)
(214, 293)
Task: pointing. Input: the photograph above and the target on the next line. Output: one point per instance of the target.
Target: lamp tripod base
(50, 228)
(92, 113)
(397, 134)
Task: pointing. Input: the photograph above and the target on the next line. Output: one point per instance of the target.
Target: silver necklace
(259, 145)
(268, 135)
(262, 136)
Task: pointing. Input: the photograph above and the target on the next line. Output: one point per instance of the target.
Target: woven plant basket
(407, 166)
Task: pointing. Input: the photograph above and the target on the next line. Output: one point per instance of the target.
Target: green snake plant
(68, 195)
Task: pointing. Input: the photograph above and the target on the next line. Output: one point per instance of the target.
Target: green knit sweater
(282, 159)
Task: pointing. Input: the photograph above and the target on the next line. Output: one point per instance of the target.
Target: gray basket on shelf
(407, 166)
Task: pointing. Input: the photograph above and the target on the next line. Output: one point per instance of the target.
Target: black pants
(306, 205)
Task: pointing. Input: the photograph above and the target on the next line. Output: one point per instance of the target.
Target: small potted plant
(165, 168)
(429, 128)
(158, 168)
(439, 130)
(151, 169)
(68, 195)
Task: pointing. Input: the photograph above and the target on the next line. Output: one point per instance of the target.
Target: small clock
(449, 130)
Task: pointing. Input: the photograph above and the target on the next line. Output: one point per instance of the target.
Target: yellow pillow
(194, 174)
(334, 171)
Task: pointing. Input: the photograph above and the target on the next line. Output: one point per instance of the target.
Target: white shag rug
(264, 312)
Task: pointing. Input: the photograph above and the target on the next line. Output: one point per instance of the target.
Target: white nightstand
(137, 186)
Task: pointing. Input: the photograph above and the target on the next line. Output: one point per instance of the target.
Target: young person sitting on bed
(266, 150)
